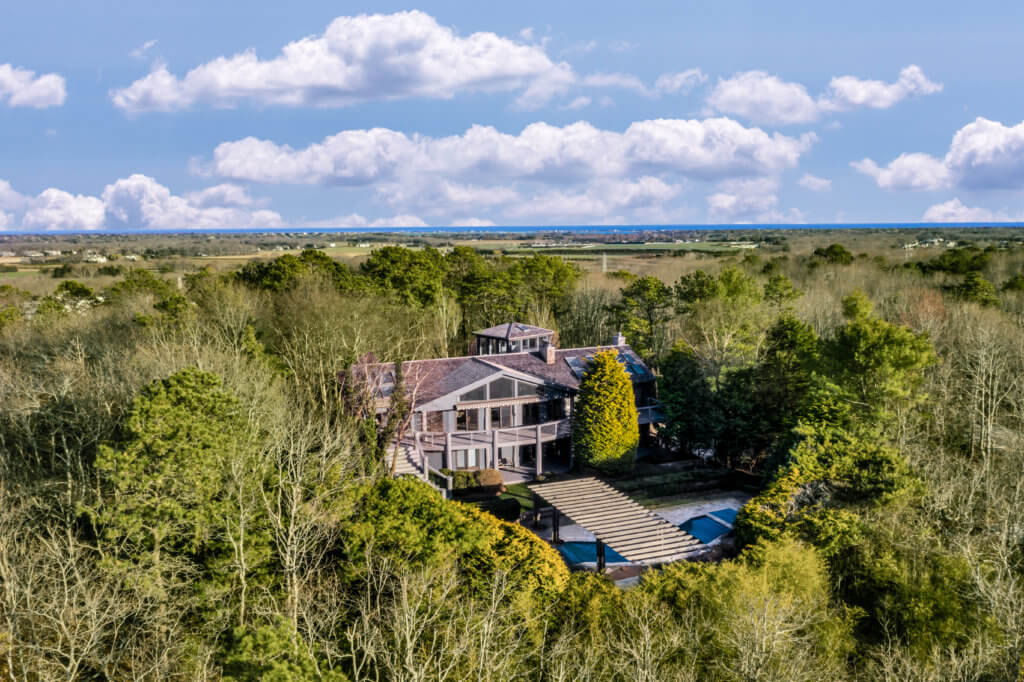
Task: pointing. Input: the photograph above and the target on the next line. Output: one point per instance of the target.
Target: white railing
(460, 440)
(650, 414)
(446, 482)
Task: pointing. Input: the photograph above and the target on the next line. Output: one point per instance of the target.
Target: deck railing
(461, 440)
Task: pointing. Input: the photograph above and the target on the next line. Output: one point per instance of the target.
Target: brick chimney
(619, 340)
(547, 351)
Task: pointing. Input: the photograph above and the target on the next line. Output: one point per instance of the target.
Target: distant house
(508, 406)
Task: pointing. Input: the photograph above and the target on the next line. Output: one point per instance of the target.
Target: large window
(466, 459)
(524, 390)
(531, 414)
(435, 421)
(467, 420)
(501, 417)
(479, 393)
(503, 388)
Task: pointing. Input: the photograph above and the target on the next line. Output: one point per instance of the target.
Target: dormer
(513, 337)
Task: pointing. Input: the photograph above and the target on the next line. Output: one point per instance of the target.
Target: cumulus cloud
(6, 220)
(55, 209)
(767, 99)
(542, 170)
(360, 58)
(681, 82)
(984, 154)
(22, 88)
(622, 81)
(139, 202)
(356, 220)
(814, 183)
(710, 149)
(9, 198)
(954, 211)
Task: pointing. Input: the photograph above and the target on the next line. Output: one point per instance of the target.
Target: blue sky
(204, 114)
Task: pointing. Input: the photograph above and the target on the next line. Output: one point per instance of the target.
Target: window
(466, 459)
(516, 347)
(531, 344)
(503, 388)
(435, 421)
(556, 409)
(467, 420)
(501, 417)
(479, 393)
(531, 414)
(524, 389)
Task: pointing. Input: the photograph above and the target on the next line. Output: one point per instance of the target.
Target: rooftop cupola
(512, 337)
(619, 340)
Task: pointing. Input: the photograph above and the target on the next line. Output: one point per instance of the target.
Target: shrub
(605, 428)
(490, 478)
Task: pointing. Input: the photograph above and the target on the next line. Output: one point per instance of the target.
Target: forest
(188, 490)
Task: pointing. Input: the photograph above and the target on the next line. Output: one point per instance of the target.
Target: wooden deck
(619, 522)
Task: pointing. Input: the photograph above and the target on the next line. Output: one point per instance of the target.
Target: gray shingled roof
(513, 330)
(431, 379)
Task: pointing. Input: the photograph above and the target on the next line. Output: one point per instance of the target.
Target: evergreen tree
(604, 432)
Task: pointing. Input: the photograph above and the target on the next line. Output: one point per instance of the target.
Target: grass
(520, 493)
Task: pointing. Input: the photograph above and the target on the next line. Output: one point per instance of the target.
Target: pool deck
(674, 514)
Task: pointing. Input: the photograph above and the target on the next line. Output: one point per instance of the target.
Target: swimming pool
(707, 528)
(728, 515)
(586, 552)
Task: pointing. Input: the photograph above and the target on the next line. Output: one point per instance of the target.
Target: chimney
(619, 340)
(547, 350)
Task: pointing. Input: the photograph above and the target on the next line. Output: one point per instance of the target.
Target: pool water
(704, 528)
(586, 552)
(728, 515)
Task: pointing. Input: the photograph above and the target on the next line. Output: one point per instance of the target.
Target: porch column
(448, 451)
(494, 449)
(600, 557)
(540, 453)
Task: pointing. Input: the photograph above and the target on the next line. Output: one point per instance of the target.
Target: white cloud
(6, 220)
(141, 50)
(709, 149)
(622, 46)
(681, 82)
(356, 220)
(623, 81)
(767, 99)
(814, 183)
(753, 200)
(907, 171)
(583, 47)
(578, 103)
(472, 222)
(763, 98)
(954, 211)
(21, 88)
(984, 154)
(365, 57)
(599, 200)
(10, 199)
(56, 209)
(140, 202)
(850, 92)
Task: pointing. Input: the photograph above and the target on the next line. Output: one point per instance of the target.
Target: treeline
(189, 492)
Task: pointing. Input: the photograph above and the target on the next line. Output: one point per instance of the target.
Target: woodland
(189, 488)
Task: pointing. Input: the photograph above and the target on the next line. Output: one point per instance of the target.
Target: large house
(508, 406)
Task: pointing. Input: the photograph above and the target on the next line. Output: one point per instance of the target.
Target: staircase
(408, 461)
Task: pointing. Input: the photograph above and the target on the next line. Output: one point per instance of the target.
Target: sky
(177, 114)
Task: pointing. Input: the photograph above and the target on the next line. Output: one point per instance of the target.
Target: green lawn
(519, 492)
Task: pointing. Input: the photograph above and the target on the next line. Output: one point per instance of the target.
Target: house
(507, 406)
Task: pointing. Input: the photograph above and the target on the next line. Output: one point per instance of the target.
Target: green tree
(273, 653)
(875, 365)
(834, 254)
(164, 483)
(414, 277)
(780, 290)
(692, 418)
(643, 311)
(605, 430)
(976, 289)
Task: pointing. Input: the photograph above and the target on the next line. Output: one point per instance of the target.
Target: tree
(875, 365)
(414, 277)
(834, 254)
(645, 307)
(605, 430)
(692, 419)
(780, 290)
(976, 289)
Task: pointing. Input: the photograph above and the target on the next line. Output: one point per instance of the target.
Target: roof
(619, 522)
(427, 380)
(513, 330)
